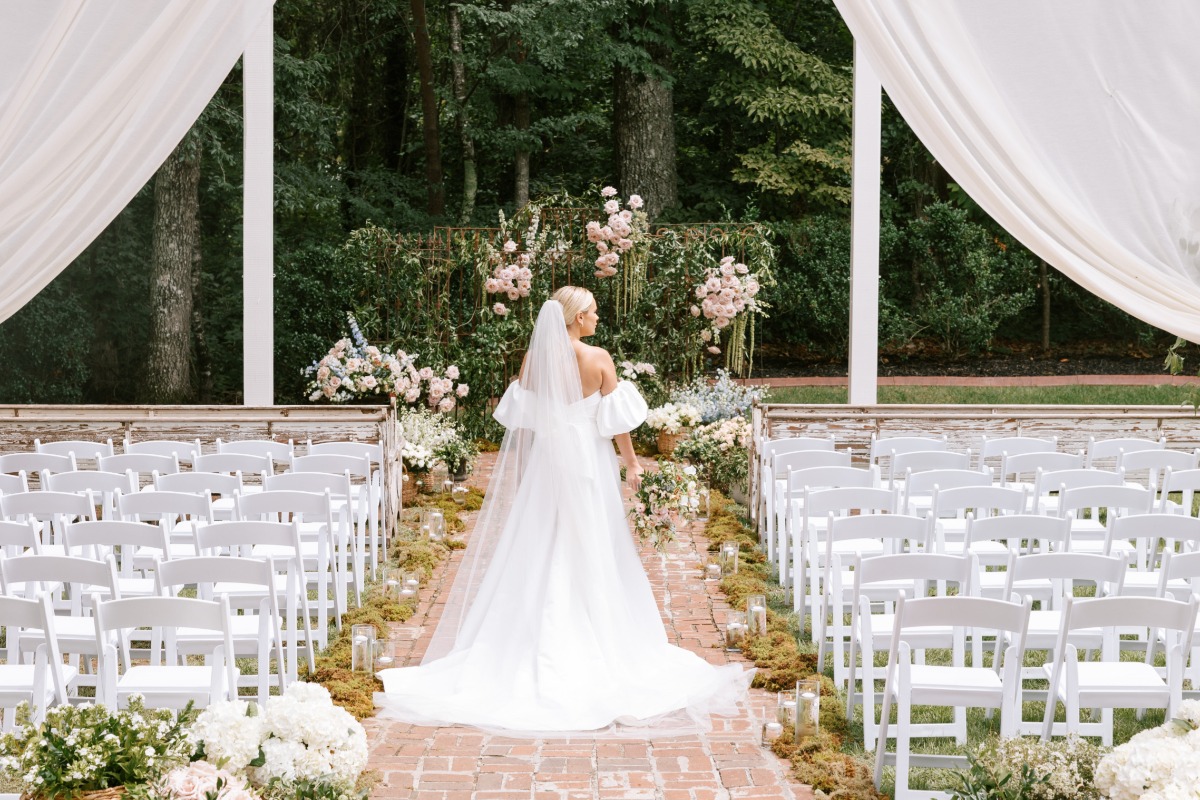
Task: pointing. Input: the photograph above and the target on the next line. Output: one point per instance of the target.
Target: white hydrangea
(1162, 763)
(673, 417)
(228, 733)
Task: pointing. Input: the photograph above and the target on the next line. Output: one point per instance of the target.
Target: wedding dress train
(563, 633)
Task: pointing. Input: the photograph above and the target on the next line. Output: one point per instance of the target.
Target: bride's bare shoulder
(592, 354)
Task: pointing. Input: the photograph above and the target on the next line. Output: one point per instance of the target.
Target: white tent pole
(864, 232)
(258, 235)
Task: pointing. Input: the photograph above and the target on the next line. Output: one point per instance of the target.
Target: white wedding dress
(562, 633)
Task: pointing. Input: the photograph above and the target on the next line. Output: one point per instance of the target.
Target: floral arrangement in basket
(84, 749)
(673, 418)
(424, 433)
(354, 368)
(1059, 769)
(458, 454)
(727, 293)
(664, 496)
(720, 449)
(1161, 763)
(624, 229)
(299, 737)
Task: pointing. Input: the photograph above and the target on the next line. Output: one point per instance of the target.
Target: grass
(998, 395)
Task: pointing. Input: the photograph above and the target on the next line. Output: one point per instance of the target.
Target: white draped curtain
(1074, 123)
(94, 95)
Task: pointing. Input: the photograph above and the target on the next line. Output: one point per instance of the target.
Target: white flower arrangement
(1162, 763)
(631, 372)
(299, 736)
(673, 417)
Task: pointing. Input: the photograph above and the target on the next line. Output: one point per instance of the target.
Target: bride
(551, 625)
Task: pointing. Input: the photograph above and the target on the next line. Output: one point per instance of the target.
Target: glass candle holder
(409, 586)
(391, 583)
(735, 631)
(460, 494)
(362, 648)
(702, 508)
(756, 613)
(385, 655)
(808, 707)
(712, 572)
(728, 558)
(447, 486)
(437, 523)
(785, 709)
(770, 732)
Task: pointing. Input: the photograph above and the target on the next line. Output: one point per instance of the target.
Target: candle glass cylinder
(756, 614)
(460, 494)
(702, 509)
(437, 524)
(447, 486)
(385, 655)
(712, 572)
(409, 586)
(391, 583)
(785, 710)
(728, 558)
(808, 707)
(362, 648)
(770, 732)
(735, 631)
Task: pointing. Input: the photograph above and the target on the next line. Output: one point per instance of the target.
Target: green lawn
(1002, 395)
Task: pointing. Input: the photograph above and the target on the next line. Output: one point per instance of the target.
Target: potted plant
(673, 422)
(458, 454)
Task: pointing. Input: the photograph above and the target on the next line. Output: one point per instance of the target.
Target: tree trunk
(204, 372)
(459, 73)
(521, 123)
(1044, 279)
(175, 252)
(435, 190)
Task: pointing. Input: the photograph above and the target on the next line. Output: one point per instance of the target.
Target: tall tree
(434, 185)
(462, 119)
(175, 257)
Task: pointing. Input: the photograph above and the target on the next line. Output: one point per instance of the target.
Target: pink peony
(513, 294)
(499, 309)
(635, 201)
(607, 191)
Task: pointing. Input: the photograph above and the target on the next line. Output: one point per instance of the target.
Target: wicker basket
(112, 793)
(428, 483)
(668, 441)
(408, 492)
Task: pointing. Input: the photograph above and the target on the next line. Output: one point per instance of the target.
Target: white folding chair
(50, 512)
(1019, 470)
(1184, 482)
(919, 486)
(19, 538)
(1016, 533)
(183, 451)
(1159, 534)
(14, 484)
(784, 498)
(42, 684)
(218, 487)
(81, 450)
(280, 542)
(179, 514)
(249, 587)
(978, 686)
(996, 447)
(879, 581)
(338, 486)
(164, 682)
(949, 506)
(884, 451)
(141, 467)
(1049, 484)
(67, 580)
(766, 477)
(35, 464)
(1095, 508)
(103, 486)
(1113, 683)
(362, 501)
(913, 461)
(123, 540)
(1181, 569)
(891, 533)
(791, 507)
(278, 452)
(1105, 449)
(250, 471)
(1148, 466)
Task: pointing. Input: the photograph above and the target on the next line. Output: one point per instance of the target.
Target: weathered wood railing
(965, 425)
(20, 425)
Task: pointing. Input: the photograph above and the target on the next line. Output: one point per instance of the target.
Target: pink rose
(695, 311)
(335, 381)
(446, 404)
(513, 294)
(635, 201)
(602, 247)
(452, 372)
(499, 309)
(412, 395)
(607, 191)
(611, 207)
(492, 285)
(626, 216)
(462, 390)
(425, 373)
(714, 350)
(510, 246)
(742, 269)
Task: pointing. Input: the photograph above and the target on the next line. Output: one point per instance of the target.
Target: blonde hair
(574, 301)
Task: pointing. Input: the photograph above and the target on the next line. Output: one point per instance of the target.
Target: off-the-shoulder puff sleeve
(621, 410)
(516, 407)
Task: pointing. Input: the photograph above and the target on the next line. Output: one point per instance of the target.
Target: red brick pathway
(457, 763)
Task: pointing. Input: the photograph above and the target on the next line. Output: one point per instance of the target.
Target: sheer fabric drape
(1074, 123)
(93, 97)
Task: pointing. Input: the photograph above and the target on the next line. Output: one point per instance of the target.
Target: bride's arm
(633, 470)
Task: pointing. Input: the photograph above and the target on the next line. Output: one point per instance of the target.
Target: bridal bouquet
(663, 498)
(1162, 763)
(624, 229)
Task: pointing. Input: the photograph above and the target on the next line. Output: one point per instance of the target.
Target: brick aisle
(459, 763)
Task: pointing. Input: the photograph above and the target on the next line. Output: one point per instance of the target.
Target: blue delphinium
(720, 400)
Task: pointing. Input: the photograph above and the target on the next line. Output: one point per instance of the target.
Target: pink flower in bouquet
(446, 404)
(523, 261)
(624, 244)
(594, 234)
(328, 391)
(612, 207)
(607, 231)
(635, 201)
(752, 287)
(452, 372)
(499, 309)
(510, 246)
(727, 269)
(626, 216)
(369, 382)
(426, 373)
(492, 285)
(742, 269)
(721, 322)
(335, 381)
(322, 373)
(716, 351)
(706, 335)
(513, 294)
(608, 191)
(695, 311)
(523, 287)
(412, 395)
(462, 390)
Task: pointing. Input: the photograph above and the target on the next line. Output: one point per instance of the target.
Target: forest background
(405, 115)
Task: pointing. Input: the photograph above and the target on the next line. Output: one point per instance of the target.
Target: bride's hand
(633, 477)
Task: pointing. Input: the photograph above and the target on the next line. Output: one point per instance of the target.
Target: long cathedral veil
(534, 413)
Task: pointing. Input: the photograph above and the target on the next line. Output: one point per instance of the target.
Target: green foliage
(984, 783)
(46, 346)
